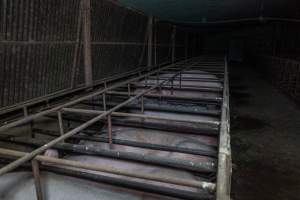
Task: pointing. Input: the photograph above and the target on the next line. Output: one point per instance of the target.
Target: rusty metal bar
(196, 166)
(215, 100)
(120, 114)
(150, 39)
(202, 152)
(77, 46)
(37, 151)
(173, 39)
(78, 100)
(87, 46)
(109, 128)
(224, 157)
(89, 166)
(37, 179)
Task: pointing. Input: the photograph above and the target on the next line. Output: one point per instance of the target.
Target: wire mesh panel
(41, 45)
(36, 47)
(118, 39)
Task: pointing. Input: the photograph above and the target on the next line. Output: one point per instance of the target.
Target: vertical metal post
(60, 123)
(172, 86)
(87, 46)
(142, 104)
(25, 110)
(109, 127)
(150, 45)
(129, 90)
(77, 46)
(173, 44)
(180, 79)
(155, 43)
(37, 179)
(104, 101)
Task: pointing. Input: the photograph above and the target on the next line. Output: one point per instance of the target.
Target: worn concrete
(265, 139)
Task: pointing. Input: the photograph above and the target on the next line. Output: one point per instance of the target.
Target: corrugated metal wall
(41, 49)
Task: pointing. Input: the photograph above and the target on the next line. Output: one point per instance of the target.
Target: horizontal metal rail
(89, 166)
(143, 116)
(41, 149)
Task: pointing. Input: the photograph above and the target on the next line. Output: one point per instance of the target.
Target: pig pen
(159, 134)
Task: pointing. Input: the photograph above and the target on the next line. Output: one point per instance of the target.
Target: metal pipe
(196, 166)
(39, 150)
(215, 100)
(206, 151)
(120, 114)
(78, 100)
(37, 179)
(87, 46)
(224, 156)
(109, 128)
(89, 166)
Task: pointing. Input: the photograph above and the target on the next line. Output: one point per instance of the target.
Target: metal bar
(120, 114)
(129, 89)
(109, 131)
(89, 166)
(87, 46)
(202, 152)
(200, 166)
(189, 109)
(150, 45)
(77, 46)
(206, 99)
(39, 150)
(173, 39)
(78, 100)
(37, 179)
(60, 123)
(224, 157)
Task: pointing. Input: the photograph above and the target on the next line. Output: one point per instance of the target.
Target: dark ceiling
(199, 11)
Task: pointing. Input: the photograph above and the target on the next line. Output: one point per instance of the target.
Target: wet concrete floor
(265, 139)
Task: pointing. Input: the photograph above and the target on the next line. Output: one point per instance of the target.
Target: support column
(150, 39)
(173, 44)
(87, 47)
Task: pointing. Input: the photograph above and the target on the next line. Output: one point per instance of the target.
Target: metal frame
(221, 187)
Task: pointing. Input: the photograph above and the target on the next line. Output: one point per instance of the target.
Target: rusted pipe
(89, 166)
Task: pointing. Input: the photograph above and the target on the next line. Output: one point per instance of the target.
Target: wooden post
(150, 38)
(87, 46)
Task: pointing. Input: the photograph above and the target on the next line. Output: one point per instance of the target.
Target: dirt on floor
(265, 130)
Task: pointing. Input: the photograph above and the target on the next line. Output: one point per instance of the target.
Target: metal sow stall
(103, 102)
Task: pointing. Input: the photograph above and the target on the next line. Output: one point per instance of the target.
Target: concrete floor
(265, 139)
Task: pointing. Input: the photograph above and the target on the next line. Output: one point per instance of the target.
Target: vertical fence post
(173, 38)
(60, 123)
(37, 179)
(25, 111)
(87, 46)
(77, 46)
(150, 38)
